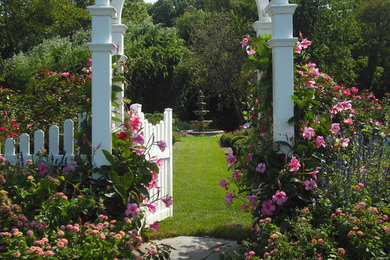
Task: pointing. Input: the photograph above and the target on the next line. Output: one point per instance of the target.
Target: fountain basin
(206, 132)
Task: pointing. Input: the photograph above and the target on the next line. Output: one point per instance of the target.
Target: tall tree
(215, 42)
(335, 33)
(155, 52)
(375, 18)
(135, 11)
(25, 23)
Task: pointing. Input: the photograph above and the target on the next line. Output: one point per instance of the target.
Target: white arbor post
(282, 43)
(118, 33)
(264, 24)
(101, 48)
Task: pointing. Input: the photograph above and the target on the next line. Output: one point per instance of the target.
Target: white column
(101, 48)
(282, 44)
(264, 24)
(118, 33)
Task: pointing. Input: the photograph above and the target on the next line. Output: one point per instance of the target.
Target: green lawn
(199, 208)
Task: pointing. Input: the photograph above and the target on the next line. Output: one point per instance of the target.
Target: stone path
(198, 248)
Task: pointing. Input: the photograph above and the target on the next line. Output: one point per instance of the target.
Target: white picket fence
(54, 155)
(154, 133)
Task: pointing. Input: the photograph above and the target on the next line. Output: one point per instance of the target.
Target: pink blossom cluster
(248, 48)
(303, 44)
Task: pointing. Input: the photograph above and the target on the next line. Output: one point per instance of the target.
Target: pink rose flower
(138, 139)
(252, 199)
(250, 51)
(236, 175)
(132, 209)
(152, 207)
(320, 141)
(43, 169)
(308, 133)
(223, 183)
(354, 90)
(244, 42)
(162, 145)
(310, 185)
(167, 201)
(279, 197)
(230, 159)
(229, 198)
(335, 128)
(267, 208)
(261, 167)
(294, 165)
(155, 226)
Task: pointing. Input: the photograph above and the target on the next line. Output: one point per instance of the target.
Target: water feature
(202, 124)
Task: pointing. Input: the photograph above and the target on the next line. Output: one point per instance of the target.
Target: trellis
(275, 18)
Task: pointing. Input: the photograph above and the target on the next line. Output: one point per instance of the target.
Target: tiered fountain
(201, 123)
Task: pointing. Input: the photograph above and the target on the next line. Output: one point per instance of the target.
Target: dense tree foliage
(374, 16)
(215, 41)
(351, 39)
(331, 26)
(155, 52)
(24, 24)
(134, 11)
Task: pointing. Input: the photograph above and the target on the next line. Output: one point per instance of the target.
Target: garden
(323, 194)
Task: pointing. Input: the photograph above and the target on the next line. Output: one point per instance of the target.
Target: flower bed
(304, 201)
(61, 212)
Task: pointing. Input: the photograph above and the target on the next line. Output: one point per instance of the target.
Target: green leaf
(116, 119)
(110, 194)
(109, 157)
(144, 191)
(116, 88)
(295, 180)
(121, 191)
(127, 180)
(115, 58)
(152, 167)
(297, 100)
(113, 175)
(302, 197)
(292, 121)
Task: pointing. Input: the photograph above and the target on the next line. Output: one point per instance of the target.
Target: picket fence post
(54, 156)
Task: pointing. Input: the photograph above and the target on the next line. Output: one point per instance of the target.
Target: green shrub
(229, 139)
(49, 98)
(59, 54)
(175, 136)
(225, 139)
(154, 118)
(177, 123)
